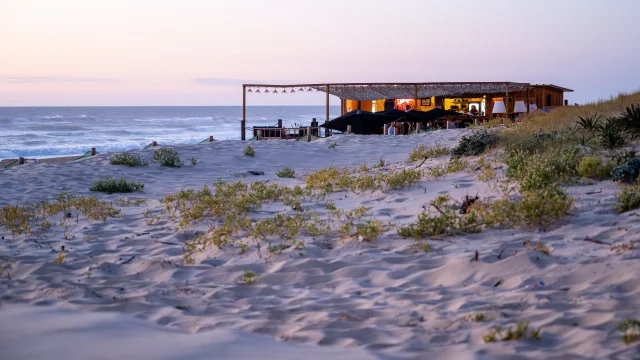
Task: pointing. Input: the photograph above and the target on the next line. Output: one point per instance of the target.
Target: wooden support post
(308, 133)
(386, 129)
(475, 122)
(528, 99)
(448, 123)
(280, 127)
(20, 160)
(93, 151)
(210, 138)
(418, 126)
(154, 143)
(348, 129)
(326, 130)
(259, 135)
(415, 97)
(243, 123)
(506, 101)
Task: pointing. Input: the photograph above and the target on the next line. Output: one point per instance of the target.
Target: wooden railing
(269, 133)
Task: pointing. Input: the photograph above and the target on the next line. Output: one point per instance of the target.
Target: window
(548, 102)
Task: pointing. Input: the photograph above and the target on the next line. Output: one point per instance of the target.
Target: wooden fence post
(348, 129)
(280, 127)
(308, 133)
(386, 129)
(210, 138)
(93, 151)
(259, 134)
(154, 143)
(20, 160)
(418, 128)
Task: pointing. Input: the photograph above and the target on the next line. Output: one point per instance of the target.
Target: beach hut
(476, 99)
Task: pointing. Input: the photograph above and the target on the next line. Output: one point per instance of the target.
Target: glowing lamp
(520, 107)
(498, 107)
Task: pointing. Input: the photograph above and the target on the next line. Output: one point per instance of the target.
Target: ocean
(39, 132)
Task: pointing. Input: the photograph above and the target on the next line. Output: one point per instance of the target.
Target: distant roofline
(552, 86)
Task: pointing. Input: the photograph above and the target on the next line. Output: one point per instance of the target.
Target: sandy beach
(124, 281)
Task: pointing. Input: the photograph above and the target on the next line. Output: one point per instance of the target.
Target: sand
(123, 291)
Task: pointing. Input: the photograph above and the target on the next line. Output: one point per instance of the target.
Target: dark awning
(362, 122)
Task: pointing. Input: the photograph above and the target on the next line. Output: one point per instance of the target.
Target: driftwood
(128, 261)
(594, 192)
(597, 241)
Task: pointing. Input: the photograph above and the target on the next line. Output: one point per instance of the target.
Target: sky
(199, 52)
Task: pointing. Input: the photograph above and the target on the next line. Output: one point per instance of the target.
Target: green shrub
(124, 158)
(423, 152)
(286, 173)
(594, 167)
(630, 120)
(403, 178)
(538, 170)
(111, 185)
(627, 172)
(447, 221)
(167, 157)
(533, 208)
(612, 134)
(248, 151)
(474, 144)
(628, 198)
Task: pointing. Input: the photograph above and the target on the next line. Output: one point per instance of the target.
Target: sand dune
(356, 299)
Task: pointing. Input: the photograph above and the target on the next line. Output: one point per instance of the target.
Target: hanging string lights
(249, 90)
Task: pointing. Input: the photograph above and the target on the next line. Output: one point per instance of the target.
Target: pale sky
(199, 52)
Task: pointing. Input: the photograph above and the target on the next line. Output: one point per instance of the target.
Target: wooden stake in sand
(20, 160)
(308, 133)
(154, 143)
(348, 129)
(210, 138)
(386, 129)
(93, 151)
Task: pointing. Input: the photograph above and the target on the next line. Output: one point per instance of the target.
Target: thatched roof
(376, 91)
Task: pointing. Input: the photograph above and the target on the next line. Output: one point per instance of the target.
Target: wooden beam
(326, 130)
(506, 101)
(243, 124)
(528, 99)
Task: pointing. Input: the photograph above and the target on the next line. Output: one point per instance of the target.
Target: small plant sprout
(521, 331)
(249, 277)
(248, 151)
(194, 160)
(333, 145)
(286, 173)
(630, 329)
(59, 258)
(380, 164)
